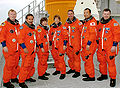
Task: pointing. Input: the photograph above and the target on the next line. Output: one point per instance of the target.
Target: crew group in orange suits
(75, 38)
(58, 37)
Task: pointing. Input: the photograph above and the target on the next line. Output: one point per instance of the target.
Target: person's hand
(88, 47)
(37, 49)
(113, 49)
(5, 49)
(97, 45)
(43, 50)
(64, 47)
(25, 50)
(50, 47)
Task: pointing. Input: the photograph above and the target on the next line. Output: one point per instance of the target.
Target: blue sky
(6, 5)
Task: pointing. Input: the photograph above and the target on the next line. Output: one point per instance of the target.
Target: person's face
(57, 20)
(70, 15)
(87, 14)
(44, 23)
(29, 20)
(106, 15)
(12, 15)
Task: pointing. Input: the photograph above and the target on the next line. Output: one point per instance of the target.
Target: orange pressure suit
(8, 38)
(73, 46)
(58, 36)
(26, 38)
(43, 42)
(108, 36)
(88, 37)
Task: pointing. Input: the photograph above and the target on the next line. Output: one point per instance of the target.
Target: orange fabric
(10, 38)
(111, 33)
(103, 58)
(27, 67)
(89, 33)
(11, 68)
(74, 41)
(0, 29)
(57, 36)
(75, 31)
(42, 37)
(42, 62)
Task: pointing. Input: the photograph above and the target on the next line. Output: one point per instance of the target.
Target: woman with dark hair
(58, 40)
(43, 44)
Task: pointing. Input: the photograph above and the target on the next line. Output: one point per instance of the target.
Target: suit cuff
(41, 45)
(50, 43)
(97, 41)
(89, 43)
(37, 45)
(23, 45)
(115, 43)
(65, 42)
(3, 43)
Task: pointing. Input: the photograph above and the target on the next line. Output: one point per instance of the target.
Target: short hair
(88, 9)
(29, 15)
(107, 9)
(11, 10)
(71, 11)
(57, 16)
(43, 19)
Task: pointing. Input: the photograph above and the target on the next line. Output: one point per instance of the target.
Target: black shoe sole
(85, 79)
(102, 79)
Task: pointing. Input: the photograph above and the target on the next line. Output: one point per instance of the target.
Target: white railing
(32, 8)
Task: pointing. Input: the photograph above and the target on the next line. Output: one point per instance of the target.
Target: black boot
(89, 79)
(43, 77)
(62, 76)
(15, 80)
(30, 80)
(23, 85)
(77, 74)
(47, 74)
(102, 77)
(56, 72)
(85, 75)
(112, 82)
(70, 71)
(8, 85)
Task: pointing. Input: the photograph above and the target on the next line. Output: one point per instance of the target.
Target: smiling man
(108, 37)
(74, 27)
(8, 39)
(26, 39)
(88, 43)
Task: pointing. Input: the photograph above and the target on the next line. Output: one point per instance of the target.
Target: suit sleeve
(3, 33)
(116, 31)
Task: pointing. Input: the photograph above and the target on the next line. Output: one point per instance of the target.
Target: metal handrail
(40, 6)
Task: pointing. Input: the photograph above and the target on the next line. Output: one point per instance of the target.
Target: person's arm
(3, 32)
(21, 37)
(116, 33)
